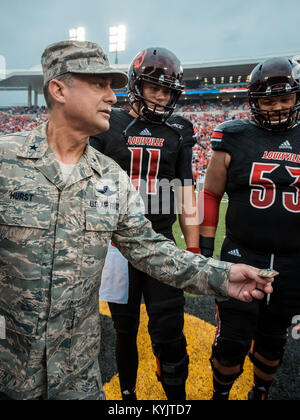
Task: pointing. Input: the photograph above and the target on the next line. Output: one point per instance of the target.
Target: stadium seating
(13, 120)
(205, 119)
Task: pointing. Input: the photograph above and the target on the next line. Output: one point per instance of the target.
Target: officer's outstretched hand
(246, 285)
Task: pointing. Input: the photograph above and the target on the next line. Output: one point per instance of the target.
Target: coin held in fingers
(268, 273)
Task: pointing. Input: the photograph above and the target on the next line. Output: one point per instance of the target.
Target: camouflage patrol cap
(79, 57)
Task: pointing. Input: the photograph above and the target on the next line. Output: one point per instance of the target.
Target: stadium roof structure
(223, 76)
(201, 78)
(30, 81)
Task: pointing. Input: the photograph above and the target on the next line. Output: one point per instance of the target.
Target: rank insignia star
(33, 148)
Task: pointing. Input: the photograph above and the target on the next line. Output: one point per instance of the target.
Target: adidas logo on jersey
(235, 253)
(145, 132)
(286, 145)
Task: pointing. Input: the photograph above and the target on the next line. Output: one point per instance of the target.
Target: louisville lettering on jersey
(145, 141)
(288, 157)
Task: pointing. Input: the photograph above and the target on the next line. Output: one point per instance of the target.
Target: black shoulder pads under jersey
(233, 126)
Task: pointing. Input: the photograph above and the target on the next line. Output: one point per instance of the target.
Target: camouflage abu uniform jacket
(53, 242)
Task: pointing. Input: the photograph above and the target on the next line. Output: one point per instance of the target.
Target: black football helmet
(272, 78)
(161, 67)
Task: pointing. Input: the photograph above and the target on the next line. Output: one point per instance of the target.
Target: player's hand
(246, 285)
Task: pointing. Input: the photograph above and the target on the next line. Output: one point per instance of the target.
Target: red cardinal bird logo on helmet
(140, 59)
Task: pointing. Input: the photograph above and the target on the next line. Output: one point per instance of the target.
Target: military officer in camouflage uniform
(61, 204)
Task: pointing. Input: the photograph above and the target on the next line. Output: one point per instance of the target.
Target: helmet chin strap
(125, 132)
(153, 117)
(144, 113)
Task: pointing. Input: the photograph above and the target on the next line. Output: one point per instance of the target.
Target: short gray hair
(67, 78)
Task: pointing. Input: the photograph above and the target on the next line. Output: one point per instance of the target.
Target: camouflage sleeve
(160, 258)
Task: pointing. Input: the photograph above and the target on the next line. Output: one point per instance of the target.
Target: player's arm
(210, 199)
(188, 217)
(186, 199)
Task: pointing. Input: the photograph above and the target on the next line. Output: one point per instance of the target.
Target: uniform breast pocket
(23, 232)
(97, 235)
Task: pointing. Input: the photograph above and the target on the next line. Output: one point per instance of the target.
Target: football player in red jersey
(151, 144)
(257, 162)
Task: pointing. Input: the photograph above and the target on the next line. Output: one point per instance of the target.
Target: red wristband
(211, 208)
(194, 250)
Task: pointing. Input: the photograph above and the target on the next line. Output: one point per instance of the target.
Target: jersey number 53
(264, 190)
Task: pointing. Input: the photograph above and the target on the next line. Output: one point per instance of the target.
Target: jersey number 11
(150, 173)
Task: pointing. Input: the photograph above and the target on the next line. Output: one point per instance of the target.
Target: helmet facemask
(275, 78)
(275, 120)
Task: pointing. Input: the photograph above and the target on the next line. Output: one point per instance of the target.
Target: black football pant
(260, 324)
(165, 308)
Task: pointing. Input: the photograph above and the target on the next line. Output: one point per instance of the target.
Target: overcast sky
(196, 30)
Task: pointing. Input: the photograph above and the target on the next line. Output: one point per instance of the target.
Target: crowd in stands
(17, 123)
(213, 107)
(19, 118)
(204, 117)
(24, 110)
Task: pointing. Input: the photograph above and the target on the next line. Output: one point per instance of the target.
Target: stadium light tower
(77, 34)
(117, 40)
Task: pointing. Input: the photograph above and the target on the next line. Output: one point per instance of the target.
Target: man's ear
(57, 91)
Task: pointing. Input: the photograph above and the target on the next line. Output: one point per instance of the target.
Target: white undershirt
(66, 170)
